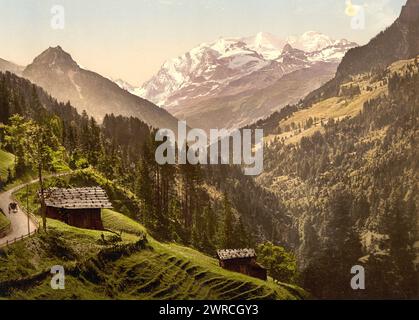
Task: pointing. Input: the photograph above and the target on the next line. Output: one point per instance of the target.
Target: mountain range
(209, 69)
(230, 67)
(238, 110)
(231, 76)
(61, 76)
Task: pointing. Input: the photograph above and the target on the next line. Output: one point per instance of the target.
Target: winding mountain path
(19, 220)
(20, 224)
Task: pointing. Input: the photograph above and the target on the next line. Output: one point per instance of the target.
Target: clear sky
(131, 39)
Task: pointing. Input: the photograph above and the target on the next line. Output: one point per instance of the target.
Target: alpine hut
(78, 207)
(243, 261)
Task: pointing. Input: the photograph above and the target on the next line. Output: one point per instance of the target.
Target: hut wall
(54, 213)
(258, 271)
(246, 266)
(80, 218)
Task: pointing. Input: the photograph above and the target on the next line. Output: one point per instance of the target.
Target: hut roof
(229, 254)
(77, 198)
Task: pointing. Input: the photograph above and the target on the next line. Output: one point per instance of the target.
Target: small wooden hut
(243, 261)
(78, 207)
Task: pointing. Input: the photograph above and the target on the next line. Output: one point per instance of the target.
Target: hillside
(352, 96)
(238, 110)
(134, 267)
(397, 42)
(346, 171)
(6, 162)
(343, 162)
(57, 73)
(3, 221)
(176, 203)
(10, 66)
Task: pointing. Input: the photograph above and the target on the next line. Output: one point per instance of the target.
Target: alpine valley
(339, 187)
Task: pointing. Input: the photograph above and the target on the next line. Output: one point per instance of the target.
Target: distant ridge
(400, 41)
(57, 72)
(10, 66)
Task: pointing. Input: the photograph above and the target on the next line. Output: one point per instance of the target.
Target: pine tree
(211, 223)
(228, 239)
(399, 224)
(241, 235)
(145, 191)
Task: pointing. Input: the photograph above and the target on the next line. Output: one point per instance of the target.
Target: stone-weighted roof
(229, 254)
(77, 198)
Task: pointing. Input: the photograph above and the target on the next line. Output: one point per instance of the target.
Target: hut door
(66, 217)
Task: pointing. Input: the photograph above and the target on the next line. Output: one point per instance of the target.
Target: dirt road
(20, 224)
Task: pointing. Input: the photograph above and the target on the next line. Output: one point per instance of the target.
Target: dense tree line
(178, 202)
(354, 182)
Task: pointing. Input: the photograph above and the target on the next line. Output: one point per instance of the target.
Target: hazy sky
(131, 39)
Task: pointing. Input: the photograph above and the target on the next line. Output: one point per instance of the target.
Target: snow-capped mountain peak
(124, 84)
(203, 70)
(310, 41)
(266, 44)
(229, 65)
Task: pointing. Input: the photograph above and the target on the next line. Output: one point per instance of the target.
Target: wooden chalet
(242, 261)
(78, 207)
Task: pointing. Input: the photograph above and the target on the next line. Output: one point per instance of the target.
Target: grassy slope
(6, 161)
(159, 271)
(337, 107)
(188, 274)
(3, 220)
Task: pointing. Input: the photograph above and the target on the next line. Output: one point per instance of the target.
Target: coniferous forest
(186, 203)
(81, 187)
(357, 177)
(358, 166)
